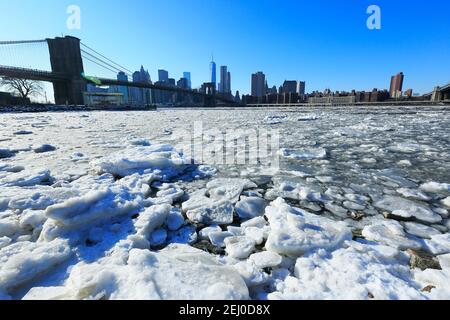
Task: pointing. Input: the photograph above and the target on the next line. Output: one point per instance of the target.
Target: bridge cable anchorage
(122, 68)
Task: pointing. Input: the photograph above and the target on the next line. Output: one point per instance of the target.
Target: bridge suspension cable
(88, 56)
(117, 66)
(31, 54)
(98, 64)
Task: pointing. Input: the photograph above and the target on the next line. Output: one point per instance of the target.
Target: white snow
(178, 272)
(22, 262)
(357, 271)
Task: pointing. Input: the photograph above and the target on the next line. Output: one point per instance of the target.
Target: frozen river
(353, 204)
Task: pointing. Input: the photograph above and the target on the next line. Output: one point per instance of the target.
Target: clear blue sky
(325, 43)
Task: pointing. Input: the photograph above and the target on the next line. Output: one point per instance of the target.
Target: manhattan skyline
(287, 40)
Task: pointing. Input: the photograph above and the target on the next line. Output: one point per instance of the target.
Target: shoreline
(282, 108)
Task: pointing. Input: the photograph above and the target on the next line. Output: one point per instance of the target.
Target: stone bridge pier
(65, 58)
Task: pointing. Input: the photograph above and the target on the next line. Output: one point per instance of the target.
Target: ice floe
(294, 232)
(415, 209)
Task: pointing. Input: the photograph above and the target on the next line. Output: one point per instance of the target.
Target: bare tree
(24, 87)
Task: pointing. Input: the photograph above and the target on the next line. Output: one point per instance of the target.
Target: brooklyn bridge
(68, 56)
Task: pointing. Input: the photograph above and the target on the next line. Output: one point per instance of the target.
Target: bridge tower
(65, 58)
(210, 97)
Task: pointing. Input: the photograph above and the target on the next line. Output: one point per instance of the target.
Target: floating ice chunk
(353, 206)
(151, 219)
(310, 117)
(358, 272)
(11, 168)
(420, 230)
(356, 198)
(446, 202)
(140, 142)
(9, 226)
(306, 154)
(390, 233)
(274, 119)
(22, 132)
(22, 262)
(175, 220)
(435, 187)
(218, 213)
(405, 148)
(256, 234)
(252, 275)
(44, 148)
(405, 163)
(6, 153)
(218, 238)
(205, 232)
(185, 235)
(140, 159)
(258, 222)
(197, 200)
(239, 247)
(36, 197)
(174, 194)
(250, 207)
(95, 205)
(47, 293)
(92, 208)
(337, 210)
(27, 179)
(236, 231)
(294, 232)
(420, 211)
(413, 194)
(265, 259)
(204, 171)
(177, 272)
(228, 189)
(439, 244)
(4, 241)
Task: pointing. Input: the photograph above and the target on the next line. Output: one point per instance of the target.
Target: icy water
(368, 184)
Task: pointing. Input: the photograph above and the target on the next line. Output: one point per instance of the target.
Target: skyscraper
(258, 84)
(163, 75)
(396, 85)
(290, 86)
(140, 95)
(225, 80)
(187, 76)
(121, 76)
(301, 87)
(213, 72)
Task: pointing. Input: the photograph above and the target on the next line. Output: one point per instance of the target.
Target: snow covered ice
(100, 206)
